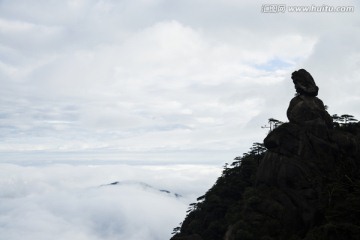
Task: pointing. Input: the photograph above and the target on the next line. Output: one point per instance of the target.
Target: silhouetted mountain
(304, 185)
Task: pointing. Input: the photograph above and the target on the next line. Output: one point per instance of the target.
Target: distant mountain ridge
(143, 186)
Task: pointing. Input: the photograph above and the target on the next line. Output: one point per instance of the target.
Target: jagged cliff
(306, 185)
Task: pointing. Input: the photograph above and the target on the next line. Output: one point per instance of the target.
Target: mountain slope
(306, 185)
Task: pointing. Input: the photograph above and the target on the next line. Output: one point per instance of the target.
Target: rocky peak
(306, 108)
(304, 83)
(305, 186)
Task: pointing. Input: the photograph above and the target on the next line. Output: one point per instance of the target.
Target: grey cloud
(155, 74)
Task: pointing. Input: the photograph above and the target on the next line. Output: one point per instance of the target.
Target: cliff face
(306, 185)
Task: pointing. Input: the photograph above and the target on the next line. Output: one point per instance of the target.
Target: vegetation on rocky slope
(306, 185)
(237, 208)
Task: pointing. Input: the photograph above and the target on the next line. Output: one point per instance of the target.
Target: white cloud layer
(156, 77)
(71, 202)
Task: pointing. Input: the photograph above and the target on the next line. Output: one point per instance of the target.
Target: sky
(167, 81)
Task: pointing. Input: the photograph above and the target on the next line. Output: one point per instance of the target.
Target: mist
(79, 202)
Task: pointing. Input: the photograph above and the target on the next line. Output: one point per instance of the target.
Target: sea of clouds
(63, 201)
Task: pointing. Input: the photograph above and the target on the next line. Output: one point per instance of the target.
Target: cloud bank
(70, 202)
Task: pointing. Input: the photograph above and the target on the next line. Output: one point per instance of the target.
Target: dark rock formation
(304, 83)
(295, 158)
(306, 185)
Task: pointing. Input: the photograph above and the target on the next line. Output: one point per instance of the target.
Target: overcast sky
(149, 80)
